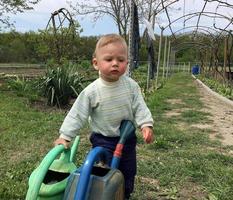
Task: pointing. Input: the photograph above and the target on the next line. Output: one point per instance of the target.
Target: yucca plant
(61, 84)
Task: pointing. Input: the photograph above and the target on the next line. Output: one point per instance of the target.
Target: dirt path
(221, 115)
(21, 71)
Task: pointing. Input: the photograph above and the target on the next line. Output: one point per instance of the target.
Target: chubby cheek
(123, 68)
(104, 69)
(103, 66)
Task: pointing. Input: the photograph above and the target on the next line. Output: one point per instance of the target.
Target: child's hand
(58, 141)
(148, 134)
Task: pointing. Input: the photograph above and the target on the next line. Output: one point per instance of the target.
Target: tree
(12, 7)
(149, 9)
(119, 10)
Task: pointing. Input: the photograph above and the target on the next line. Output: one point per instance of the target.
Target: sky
(38, 18)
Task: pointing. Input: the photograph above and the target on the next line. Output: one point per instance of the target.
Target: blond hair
(108, 39)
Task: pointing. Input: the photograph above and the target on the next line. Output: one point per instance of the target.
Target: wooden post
(168, 57)
(164, 56)
(130, 43)
(148, 77)
(159, 55)
(190, 70)
(225, 54)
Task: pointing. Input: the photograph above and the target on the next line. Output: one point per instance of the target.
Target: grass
(183, 163)
(184, 156)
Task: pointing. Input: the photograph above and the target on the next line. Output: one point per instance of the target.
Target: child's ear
(94, 63)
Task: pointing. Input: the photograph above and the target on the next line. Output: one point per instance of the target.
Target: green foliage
(225, 90)
(182, 154)
(37, 47)
(18, 84)
(31, 47)
(183, 164)
(85, 48)
(62, 43)
(85, 64)
(25, 88)
(60, 84)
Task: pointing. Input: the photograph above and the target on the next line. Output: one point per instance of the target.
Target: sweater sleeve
(142, 113)
(76, 117)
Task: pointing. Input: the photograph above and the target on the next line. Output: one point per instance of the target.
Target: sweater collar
(107, 83)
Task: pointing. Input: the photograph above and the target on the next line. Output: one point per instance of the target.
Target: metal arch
(175, 40)
(66, 16)
(162, 2)
(225, 29)
(221, 2)
(197, 13)
(169, 20)
(181, 45)
(191, 15)
(201, 30)
(199, 17)
(202, 27)
(187, 47)
(61, 16)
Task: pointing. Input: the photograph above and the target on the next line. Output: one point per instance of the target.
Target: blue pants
(128, 165)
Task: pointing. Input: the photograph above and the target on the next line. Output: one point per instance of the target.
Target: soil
(22, 71)
(221, 126)
(221, 116)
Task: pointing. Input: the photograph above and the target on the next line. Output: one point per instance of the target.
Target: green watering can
(48, 180)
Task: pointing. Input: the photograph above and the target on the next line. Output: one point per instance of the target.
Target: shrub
(223, 89)
(85, 64)
(61, 84)
(24, 87)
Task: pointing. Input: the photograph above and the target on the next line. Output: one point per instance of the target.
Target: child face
(111, 61)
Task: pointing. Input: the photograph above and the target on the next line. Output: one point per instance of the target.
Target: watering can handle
(127, 130)
(82, 184)
(74, 148)
(42, 169)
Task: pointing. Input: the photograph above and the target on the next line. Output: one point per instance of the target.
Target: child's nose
(115, 63)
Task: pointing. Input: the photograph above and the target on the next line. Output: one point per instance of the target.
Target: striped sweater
(106, 104)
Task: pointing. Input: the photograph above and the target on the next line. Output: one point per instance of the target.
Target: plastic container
(91, 182)
(104, 184)
(195, 69)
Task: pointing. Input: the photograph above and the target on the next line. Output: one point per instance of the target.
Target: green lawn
(182, 164)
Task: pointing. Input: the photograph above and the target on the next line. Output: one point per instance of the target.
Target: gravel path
(221, 114)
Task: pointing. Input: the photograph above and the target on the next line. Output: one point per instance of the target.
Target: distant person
(106, 102)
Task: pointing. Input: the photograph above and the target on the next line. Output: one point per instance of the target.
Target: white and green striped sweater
(106, 104)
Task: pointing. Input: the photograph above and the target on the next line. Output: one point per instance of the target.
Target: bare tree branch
(222, 2)
(199, 17)
(13, 7)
